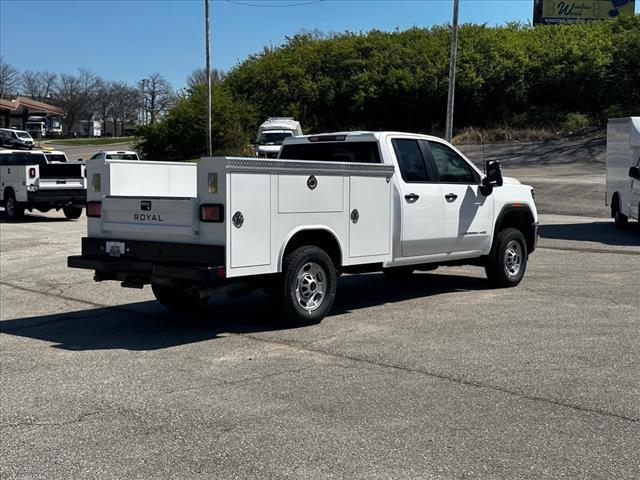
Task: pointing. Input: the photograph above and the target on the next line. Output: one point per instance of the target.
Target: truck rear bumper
(64, 196)
(151, 260)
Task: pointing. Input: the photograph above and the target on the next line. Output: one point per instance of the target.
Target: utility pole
(208, 68)
(452, 73)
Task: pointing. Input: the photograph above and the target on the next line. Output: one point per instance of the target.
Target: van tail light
(32, 172)
(94, 209)
(212, 213)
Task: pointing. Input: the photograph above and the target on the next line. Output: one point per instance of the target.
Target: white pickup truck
(333, 203)
(36, 180)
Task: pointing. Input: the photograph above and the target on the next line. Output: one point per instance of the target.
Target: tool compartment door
(249, 219)
(369, 216)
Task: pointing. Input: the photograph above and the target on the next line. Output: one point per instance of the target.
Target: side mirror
(493, 177)
(634, 172)
(253, 142)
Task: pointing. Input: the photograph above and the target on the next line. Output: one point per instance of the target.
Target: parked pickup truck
(623, 169)
(30, 182)
(333, 203)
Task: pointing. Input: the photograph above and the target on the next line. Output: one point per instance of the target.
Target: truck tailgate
(172, 219)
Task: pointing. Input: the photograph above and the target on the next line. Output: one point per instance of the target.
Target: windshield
(24, 135)
(274, 138)
(123, 156)
(361, 152)
(55, 157)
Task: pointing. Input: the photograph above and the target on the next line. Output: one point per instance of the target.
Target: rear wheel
(508, 260)
(12, 209)
(178, 298)
(307, 288)
(72, 213)
(619, 218)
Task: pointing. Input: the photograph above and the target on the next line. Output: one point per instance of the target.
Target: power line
(268, 4)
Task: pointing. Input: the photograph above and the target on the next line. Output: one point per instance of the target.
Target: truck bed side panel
(370, 216)
(249, 219)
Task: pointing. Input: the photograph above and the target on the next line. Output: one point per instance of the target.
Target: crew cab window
(410, 160)
(451, 167)
(360, 152)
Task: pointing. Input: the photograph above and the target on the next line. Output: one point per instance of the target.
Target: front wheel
(72, 213)
(178, 299)
(508, 260)
(620, 218)
(307, 288)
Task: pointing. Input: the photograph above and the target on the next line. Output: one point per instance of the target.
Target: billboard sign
(549, 12)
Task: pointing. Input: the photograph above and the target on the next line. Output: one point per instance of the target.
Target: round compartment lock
(312, 182)
(355, 215)
(237, 219)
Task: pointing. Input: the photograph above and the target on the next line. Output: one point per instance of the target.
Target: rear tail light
(212, 213)
(32, 172)
(94, 209)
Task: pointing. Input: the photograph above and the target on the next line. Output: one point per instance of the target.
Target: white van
(272, 133)
(623, 169)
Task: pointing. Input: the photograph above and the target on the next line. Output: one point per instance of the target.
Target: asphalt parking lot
(438, 377)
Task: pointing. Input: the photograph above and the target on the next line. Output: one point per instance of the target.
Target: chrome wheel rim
(11, 206)
(513, 258)
(311, 286)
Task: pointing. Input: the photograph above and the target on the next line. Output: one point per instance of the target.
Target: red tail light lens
(212, 213)
(32, 172)
(94, 209)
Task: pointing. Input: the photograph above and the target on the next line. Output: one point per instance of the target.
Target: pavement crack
(454, 379)
(79, 419)
(241, 380)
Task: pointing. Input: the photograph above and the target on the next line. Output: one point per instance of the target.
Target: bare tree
(75, 94)
(199, 77)
(8, 79)
(38, 85)
(104, 102)
(125, 105)
(158, 95)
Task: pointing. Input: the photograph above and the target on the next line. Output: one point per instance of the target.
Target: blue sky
(126, 39)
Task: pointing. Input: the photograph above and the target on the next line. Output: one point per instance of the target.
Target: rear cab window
(411, 161)
(122, 156)
(349, 152)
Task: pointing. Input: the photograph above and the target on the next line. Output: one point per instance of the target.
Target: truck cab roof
(355, 136)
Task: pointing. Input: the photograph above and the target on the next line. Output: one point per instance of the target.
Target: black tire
(13, 209)
(306, 290)
(619, 218)
(398, 274)
(508, 259)
(72, 213)
(178, 299)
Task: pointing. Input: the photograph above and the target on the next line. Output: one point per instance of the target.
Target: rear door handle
(450, 197)
(412, 197)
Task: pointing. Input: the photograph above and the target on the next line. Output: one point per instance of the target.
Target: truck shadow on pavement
(32, 218)
(604, 232)
(148, 326)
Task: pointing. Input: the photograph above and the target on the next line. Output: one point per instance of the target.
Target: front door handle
(450, 197)
(412, 197)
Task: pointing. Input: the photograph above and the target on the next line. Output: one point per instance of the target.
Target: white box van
(623, 169)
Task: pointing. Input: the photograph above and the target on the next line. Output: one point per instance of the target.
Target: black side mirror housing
(493, 177)
(634, 172)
